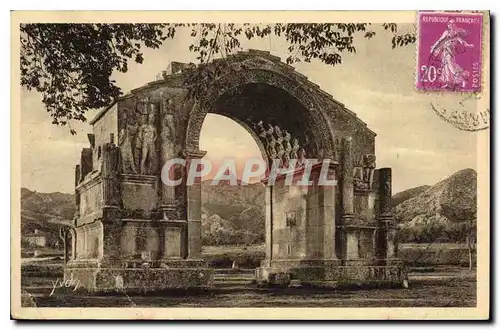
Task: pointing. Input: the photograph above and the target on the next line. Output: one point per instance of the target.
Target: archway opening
(258, 119)
(233, 216)
(259, 106)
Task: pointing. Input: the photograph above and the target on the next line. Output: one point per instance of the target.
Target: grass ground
(445, 287)
(436, 286)
(423, 292)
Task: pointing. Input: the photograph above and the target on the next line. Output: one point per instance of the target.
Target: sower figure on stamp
(445, 49)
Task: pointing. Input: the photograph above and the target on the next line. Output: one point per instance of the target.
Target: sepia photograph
(328, 165)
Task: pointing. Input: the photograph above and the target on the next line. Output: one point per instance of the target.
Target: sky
(377, 83)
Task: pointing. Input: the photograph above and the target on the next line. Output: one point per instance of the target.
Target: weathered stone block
(172, 242)
(139, 196)
(352, 245)
(127, 241)
(141, 279)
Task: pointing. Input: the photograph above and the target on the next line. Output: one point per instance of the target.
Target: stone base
(330, 273)
(101, 279)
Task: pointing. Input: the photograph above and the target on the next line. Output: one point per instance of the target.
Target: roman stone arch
(322, 135)
(149, 233)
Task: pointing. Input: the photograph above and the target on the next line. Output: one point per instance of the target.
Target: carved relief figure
(363, 172)
(168, 137)
(260, 128)
(387, 186)
(301, 156)
(295, 149)
(167, 105)
(288, 149)
(286, 159)
(286, 142)
(279, 135)
(358, 179)
(368, 169)
(137, 141)
(147, 136)
(280, 151)
(271, 150)
(269, 134)
(125, 143)
(321, 154)
(168, 128)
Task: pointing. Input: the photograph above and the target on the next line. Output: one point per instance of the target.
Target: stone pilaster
(326, 195)
(392, 248)
(73, 243)
(111, 228)
(349, 236)
(167, 136)
(386, 248)
(193, 238)
(110, 248)
(110, 189)
(385, 191)
(347, 211)
(269, 222)
(352, 242)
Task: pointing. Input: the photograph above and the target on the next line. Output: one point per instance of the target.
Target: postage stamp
(449, 52)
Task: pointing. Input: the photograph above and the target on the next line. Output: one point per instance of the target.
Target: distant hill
(439, 211)
(53, 205)
(454, 198)
(233, 214)
(407, 194)
(46, 212)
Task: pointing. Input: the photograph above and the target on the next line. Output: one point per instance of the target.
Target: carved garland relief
(278, 145)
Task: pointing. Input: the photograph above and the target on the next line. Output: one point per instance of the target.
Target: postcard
(235, 165)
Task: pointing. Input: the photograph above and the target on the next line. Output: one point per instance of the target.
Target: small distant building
(36, 238)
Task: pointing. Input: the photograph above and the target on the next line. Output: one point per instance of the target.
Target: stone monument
(133, 232)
